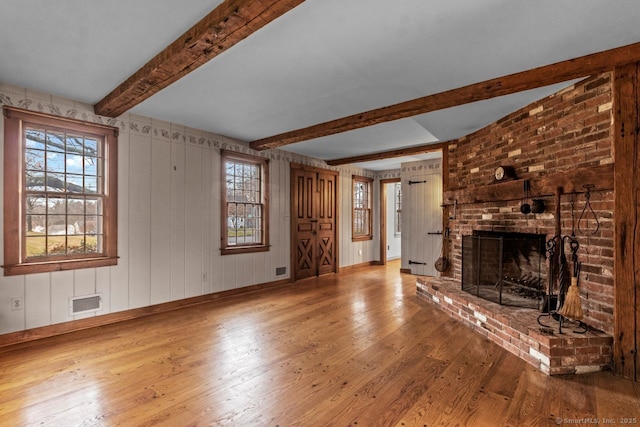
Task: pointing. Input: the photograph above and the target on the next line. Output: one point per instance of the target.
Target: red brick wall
(568, 130)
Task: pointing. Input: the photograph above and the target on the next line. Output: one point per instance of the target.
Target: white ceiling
(323, 60)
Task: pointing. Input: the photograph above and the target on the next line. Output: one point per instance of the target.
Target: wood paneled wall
(168, 222)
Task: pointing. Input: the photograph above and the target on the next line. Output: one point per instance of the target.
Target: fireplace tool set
(564, 278)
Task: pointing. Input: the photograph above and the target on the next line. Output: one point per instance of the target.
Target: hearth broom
(572, 307)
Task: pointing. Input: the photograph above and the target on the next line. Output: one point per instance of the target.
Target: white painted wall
(394, 241)
(353, 253)
(168, 222)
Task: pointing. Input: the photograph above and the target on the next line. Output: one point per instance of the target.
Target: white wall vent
(85, 304)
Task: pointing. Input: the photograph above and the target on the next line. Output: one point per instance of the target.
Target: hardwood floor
(354, 349)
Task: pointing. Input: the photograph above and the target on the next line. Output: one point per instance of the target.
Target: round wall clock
(503, 172)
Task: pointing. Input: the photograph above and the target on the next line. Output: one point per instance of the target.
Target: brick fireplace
(559, 144)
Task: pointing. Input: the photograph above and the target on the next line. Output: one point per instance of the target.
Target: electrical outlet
(204, 277)
(359, 252)
(16, 303)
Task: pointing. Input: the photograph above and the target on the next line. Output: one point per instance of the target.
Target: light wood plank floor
(354, 349)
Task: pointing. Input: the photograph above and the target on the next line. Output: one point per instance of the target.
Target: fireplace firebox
(507, 268)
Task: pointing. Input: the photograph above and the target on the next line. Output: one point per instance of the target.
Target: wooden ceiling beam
(229, 23)
(538, 77)
(400, 152)
(571, 181)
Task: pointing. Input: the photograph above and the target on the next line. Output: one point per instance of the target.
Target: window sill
(361, 238)
(244, 250)
(62, 265)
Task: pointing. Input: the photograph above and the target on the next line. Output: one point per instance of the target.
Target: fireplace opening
(504, 267)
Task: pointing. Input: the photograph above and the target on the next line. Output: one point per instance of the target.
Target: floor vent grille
(85, 304)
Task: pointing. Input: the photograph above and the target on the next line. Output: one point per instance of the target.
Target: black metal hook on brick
(587, 206)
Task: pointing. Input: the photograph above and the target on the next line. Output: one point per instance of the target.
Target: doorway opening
(390, 220)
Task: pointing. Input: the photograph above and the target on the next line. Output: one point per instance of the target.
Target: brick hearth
(518, 331)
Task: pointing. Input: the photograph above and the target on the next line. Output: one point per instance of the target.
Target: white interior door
(424, 216)
(393, 249)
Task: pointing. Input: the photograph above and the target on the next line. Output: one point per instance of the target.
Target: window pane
(75, 225)
(91, 184)
(36, 224)
(93, 206)
(365, 222)
(92, 223)
(74, 183)
(256, 188)
(36, 205)
(75, 163)
(74, 144)
(76, 245)
(56, 205)
(231, 214)
(75, 206)
(36, 245)
(35, 209)
(55, 182)
(35, 181)
(34, 160)
(35, 138)
(91, 166)
(91, 147)
(93, 244)
(55, 142)
(55, 162)
(56, 225)
(57, 246)
(357, 222)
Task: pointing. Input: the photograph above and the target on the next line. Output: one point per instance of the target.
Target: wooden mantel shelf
(572, 181)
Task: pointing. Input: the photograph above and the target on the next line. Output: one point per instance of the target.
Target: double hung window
(245, 203)
(362, 227)
(60, 193)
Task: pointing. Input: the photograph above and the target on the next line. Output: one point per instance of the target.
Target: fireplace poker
(563, 274)
(550, 299)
